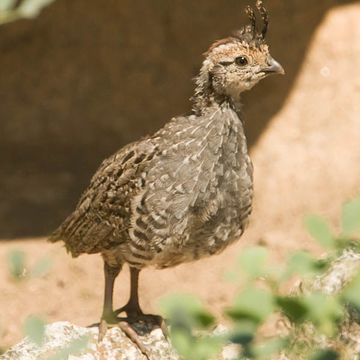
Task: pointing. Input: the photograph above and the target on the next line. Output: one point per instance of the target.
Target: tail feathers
(56, 236)
(82, 234)
(63, 233)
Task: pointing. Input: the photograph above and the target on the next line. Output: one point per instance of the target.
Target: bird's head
(237, 63)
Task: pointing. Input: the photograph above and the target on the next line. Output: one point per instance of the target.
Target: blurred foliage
(16, 262)
(74, 348)
(19, 270)
(34, 329)
(261, 297)
(11, 10)
(187, 313)
(350, 219)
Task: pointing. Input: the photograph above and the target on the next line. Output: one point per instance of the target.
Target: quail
(186, 191)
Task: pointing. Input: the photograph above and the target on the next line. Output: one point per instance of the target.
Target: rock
(69, 341)
(340, 273)
(64, 340)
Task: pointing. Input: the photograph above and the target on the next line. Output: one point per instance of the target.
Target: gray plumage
(183, 193)
(176, 196)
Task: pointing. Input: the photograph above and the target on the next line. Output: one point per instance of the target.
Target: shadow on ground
(85, 78)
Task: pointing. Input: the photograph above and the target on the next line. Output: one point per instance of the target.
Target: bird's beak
(273, 68)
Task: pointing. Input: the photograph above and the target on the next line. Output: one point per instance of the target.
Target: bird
(184, 192)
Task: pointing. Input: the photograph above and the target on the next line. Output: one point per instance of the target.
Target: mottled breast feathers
(181, 194)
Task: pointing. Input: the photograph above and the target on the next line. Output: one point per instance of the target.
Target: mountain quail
(183, 193)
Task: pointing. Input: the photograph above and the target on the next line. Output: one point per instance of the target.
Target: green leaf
(16, 261)
(267, 349)
(6, 4)
(252, 260)
(32, 8)
(301, 263)
(243, 335)
(74, 348)
(34, 328)
(173, 302)
(292, 307)
(204, 318)
(326, 355)
(195, 347)
(186, 311)
(182, 341)
(324, 312)
(252, 304)
(352, 292)
(41, 267)
(319, 230)
(350, 219)
(207, 347)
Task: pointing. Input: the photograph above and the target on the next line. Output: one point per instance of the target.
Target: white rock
(60, 336)
(115, 346)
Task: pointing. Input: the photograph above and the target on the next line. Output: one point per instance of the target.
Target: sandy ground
(308, 161)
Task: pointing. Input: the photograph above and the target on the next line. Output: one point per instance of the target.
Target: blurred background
(80, 79)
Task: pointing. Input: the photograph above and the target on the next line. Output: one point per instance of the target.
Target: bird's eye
(241, 61)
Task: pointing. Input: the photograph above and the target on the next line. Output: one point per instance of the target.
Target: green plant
(261, 297)
(188, 314)
(74, 348)
(34, 329)
(19, 270)
(34, 326)
(11, 10)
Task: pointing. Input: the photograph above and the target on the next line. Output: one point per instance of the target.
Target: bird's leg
(132, 307)
(108, 316)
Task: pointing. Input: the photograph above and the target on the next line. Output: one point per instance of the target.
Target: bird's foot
(135, 315)
(152, 320)
(131, 309)
(129, 324)
(127, 329)
(106, 322)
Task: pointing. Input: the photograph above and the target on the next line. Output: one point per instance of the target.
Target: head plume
(250, 32)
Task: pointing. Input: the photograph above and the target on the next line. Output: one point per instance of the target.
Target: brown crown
(248, 33)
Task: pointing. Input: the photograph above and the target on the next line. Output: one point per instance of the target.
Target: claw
(135, 313)
(103, 326)
(125, 326)
(164, 328)
(127, 329)
(134, 337)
